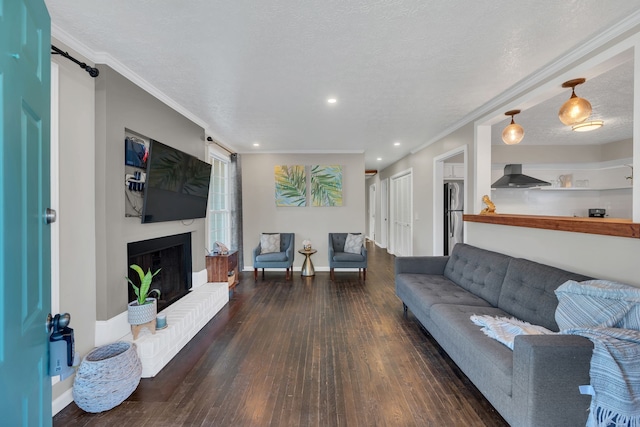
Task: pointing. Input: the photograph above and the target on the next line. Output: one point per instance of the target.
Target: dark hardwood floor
(307, 352)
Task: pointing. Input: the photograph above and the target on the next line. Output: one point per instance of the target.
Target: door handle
(50, 216)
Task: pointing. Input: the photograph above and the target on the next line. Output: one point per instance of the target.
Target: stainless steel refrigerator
(453, 208)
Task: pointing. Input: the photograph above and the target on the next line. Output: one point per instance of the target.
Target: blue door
(25, 295)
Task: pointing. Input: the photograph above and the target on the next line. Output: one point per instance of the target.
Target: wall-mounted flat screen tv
(177, 185)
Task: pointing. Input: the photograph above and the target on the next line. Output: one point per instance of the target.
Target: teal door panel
(25, 270)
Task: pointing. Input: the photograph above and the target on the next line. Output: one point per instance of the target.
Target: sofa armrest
(547, 371)
(256, 251)
(421, 264)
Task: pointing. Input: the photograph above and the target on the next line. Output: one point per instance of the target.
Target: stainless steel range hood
(514, 178)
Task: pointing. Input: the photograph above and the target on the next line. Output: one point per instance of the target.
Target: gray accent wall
(121, 105)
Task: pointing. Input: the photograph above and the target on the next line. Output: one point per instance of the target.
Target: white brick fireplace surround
(185, 318)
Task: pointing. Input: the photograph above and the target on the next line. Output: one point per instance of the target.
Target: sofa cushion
(347, 257)
(477, 270)
(272, 257)
(421, 291)
(528, 292)
(487, 362)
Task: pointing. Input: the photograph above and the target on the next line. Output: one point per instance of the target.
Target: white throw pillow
(269, 243)
(353, 244)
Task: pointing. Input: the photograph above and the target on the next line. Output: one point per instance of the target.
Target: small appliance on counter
(597, 213)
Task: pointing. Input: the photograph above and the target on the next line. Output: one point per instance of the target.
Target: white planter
(141, 314)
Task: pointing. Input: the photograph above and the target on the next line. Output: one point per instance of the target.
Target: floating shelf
(604, 226)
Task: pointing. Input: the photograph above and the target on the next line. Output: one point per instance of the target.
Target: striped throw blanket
(598, 303)
(505, 330)
(607, 313)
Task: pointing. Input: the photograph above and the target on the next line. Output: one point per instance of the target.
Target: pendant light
(513, 133)
(587, 126)
(576, 109)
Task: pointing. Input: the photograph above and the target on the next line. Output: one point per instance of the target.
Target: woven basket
(107, 376)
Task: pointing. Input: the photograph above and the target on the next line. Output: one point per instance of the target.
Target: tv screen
(177, 185)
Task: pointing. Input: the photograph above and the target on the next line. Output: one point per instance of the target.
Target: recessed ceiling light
(332, 100)
(379, 158)
(256, 144)
(396, 143)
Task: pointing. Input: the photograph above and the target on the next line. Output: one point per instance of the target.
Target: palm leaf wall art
(326, 185)
(291, 185)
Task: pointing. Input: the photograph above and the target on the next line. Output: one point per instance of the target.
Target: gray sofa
(534, 385)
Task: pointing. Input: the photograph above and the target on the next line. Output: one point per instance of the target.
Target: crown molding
(107, 59)
(539, 77)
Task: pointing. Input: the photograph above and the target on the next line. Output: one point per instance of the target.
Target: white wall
(76, 213)
(260, 213)
(604, 257)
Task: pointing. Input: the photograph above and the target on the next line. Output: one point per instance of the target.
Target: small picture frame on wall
(136, 152)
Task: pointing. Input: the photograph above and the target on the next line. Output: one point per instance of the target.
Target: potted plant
(143, 309)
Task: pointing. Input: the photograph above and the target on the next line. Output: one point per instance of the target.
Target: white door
(401, 210)
(384, 212)
(372, 212)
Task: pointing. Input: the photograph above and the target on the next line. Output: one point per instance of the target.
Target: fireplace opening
(170, 254)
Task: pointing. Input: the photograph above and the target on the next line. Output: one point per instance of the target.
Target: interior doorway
(448, 167)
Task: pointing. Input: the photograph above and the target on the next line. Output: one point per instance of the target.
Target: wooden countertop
(605, 226)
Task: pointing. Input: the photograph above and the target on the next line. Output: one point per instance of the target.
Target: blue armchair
(338, 258)
(281, 259)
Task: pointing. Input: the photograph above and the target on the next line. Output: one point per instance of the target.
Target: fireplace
(170, 254)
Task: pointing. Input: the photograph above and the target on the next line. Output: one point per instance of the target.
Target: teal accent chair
(338, 258)
(282, 259)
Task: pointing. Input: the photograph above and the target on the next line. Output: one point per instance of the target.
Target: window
(219, 214)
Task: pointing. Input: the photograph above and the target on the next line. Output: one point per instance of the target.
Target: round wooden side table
(307, 265)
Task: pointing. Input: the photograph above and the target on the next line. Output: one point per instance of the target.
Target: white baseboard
(62, 401)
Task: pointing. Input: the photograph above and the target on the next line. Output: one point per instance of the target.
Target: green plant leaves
(142, 292)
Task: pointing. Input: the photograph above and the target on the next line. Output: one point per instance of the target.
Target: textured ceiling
(611, 98)
(406, 71)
